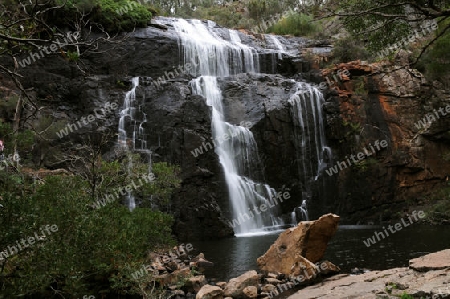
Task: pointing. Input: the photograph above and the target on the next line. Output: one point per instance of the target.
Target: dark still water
(233, 257)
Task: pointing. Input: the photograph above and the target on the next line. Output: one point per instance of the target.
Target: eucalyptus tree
(383, 23)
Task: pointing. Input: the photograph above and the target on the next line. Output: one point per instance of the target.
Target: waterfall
(293, 219)
(299, 214)
(306, 108)
(275, 44)
(128, 111)
(132, 115)
(209, 54)
(279, 46)
(211, 57)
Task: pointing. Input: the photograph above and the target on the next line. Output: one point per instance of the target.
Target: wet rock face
(263, 100)
(179, 124)
(385, 102)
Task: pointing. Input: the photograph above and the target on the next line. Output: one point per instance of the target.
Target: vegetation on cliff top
(360, 29)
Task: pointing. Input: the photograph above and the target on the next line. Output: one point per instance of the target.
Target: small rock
(178, 292)
(158, 266)
(162, 279)
(250, 292)
(273, 281)
(236, 286)
(356, 271)
(209, 292)
(166, 279)
(172, 266)
(202, 263)
(196, 283)
(199, 256)
(267, 288)
(327, 267)
(221, 284)
(159, 26)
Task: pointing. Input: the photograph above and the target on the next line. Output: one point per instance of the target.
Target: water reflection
(233, 257)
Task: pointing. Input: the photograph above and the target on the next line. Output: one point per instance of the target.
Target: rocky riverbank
(293, 268)
(426, 277)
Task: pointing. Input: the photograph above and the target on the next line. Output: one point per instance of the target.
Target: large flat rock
(434, 261)
(429, 284)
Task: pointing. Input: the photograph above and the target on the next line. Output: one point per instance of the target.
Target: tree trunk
(16, 125)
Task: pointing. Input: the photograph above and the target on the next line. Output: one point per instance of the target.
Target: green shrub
(225, 16)
(122, 15)
(406, 296)
(439, 211)
(6, 132)
(360, 86)
(436, 62)
(112, 15)
(24, 140)
(264, 9)
(295, 24)
(94, 250)
(161, 190)
(72, 56)
(347, 49)
(366, 164)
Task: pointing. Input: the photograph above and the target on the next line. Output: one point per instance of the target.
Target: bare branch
(430, 14)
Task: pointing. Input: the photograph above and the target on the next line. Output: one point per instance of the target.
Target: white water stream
(214, 57)
(132, 114)
(306, 108)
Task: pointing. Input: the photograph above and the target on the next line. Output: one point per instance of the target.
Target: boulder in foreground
(235, 287)
(209, 292)
(297, 248)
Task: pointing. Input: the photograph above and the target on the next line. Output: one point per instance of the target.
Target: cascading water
(279, 46)
(273, 42)
(132, 114)
(306, 108)
(128, 111)
(293, 218)
(212, 57)
(300, 213)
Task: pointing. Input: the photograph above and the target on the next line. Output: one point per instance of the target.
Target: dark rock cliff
(375, 103)
(386, 102)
